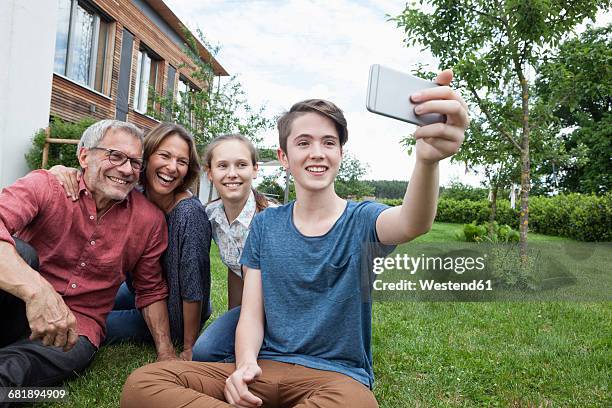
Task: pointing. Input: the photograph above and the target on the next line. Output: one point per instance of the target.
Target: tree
(266, 154)
(492, 46)
(270, 186)
(216, 108)
(485, 148)
(348, 182)
(576, 84)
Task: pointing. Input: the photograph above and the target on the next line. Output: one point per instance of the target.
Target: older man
(52, 320)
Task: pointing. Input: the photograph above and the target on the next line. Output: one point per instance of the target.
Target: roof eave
(168, 15)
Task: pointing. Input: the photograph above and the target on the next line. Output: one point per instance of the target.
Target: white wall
(27, 47)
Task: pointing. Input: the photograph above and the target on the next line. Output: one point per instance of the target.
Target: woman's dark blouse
(186, 262)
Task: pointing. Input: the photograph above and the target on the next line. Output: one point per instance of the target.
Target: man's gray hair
(93, 135)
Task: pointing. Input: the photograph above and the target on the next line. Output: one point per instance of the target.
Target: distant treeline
(460, 191)
(388, 188)
(395, 189)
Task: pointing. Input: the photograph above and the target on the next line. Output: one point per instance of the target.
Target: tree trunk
(493, 213)
(525, 171)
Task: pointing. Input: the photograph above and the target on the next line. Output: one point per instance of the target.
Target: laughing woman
(171, 167)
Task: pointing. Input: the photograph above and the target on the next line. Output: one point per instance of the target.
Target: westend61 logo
(443, 266)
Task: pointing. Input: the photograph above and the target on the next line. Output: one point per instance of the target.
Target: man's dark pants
(24, 362)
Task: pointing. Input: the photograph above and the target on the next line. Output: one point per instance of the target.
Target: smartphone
(389, 95)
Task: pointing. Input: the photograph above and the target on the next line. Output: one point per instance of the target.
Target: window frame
(142, 100)
(94, 69)
(190, 87)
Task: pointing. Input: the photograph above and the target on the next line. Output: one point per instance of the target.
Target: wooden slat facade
(72, 102)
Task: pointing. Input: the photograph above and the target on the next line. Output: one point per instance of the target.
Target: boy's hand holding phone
(438, 141)
(440, 111)
(419, 102)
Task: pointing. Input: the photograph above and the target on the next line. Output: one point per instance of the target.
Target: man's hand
(156, 317)
(166, 355)
(236, 386)
(438, 141)
(50, 319)
(68, 178)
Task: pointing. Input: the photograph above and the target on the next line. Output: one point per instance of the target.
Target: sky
(286, 51)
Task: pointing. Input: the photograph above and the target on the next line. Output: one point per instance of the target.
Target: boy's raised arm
(249, 337)
(434, 142)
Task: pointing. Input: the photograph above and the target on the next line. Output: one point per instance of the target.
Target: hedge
(583, 217)
(58, 153)
(579, 216)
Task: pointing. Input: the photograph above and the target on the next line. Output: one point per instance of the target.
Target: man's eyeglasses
(118, 158)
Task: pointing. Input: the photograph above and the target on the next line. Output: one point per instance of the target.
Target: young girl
(231, 165)
(172, 166)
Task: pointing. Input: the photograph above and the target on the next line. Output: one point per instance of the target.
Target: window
(184, 87)
(170, 84)
(81, 44)
(170, 78)
(184, 100)
(148, 75)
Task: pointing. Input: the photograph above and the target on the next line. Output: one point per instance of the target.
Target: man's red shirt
(84, 257)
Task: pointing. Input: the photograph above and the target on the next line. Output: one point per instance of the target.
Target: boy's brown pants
(192, 384)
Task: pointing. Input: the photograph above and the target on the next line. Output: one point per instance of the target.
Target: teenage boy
(304, 334)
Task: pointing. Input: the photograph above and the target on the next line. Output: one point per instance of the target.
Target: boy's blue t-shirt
(316, 289)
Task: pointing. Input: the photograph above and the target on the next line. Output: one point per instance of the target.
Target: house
(86, 58)
(109, 54)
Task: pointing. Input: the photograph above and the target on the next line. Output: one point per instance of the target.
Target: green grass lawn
(447, 354)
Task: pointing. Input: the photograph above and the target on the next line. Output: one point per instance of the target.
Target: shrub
(507, 234)
(392, 202)
(507, 215)
(509, 271)
(582, 217)
(474, 232)
(58, 153)
(462, 211)
(591, 219)
(578, 216)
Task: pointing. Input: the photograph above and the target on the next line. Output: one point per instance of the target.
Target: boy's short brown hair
(320, 106)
